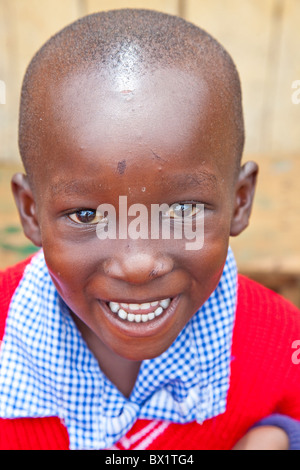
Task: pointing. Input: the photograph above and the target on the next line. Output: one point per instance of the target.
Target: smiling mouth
(139, 313)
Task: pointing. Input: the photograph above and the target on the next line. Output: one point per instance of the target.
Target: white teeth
(122, 310)
(134, 306)
(158, 311)
(165, 303)
(114, 306)
(145, 306)
(122, 314)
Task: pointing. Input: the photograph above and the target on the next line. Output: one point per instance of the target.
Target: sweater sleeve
(290, 425)
(9, 280)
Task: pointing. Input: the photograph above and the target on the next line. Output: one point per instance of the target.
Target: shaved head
(131, 43)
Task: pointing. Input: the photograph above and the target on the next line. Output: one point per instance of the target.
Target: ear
(27, 207)
(244, 194)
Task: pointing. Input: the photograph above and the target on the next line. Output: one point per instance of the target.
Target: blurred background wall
(263, 36)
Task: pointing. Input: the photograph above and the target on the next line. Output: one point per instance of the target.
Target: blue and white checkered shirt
(46, 368)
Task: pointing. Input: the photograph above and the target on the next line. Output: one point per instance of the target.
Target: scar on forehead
(121, 167)
(157, 156)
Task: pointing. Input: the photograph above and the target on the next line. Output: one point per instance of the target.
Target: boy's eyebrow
(199, 178)
(74, 186)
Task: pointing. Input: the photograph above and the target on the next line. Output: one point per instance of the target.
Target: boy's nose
(139, 268)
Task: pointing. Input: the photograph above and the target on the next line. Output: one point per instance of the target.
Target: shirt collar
(46, 368)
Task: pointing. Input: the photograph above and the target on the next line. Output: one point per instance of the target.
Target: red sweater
(264, 380)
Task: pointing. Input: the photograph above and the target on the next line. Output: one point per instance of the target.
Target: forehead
(108, 118)
(114, 104)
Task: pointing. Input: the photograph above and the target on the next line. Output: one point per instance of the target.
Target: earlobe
(244, 195)
(27, 207)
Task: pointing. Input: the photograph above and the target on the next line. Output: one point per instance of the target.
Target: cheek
(68, 267)
(206, 268)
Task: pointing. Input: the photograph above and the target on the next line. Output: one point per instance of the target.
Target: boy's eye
(86, 216)
(180, 210)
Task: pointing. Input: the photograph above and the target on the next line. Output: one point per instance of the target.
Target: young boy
(138, 341)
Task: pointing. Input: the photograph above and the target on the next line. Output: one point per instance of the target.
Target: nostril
(157, 270)
(153, 273)
(137, 269)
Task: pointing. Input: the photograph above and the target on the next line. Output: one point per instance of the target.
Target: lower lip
(141, 329)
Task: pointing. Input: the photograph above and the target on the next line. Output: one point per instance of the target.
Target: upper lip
(140, 301)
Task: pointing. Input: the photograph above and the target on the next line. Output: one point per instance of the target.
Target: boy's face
(162, 138)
